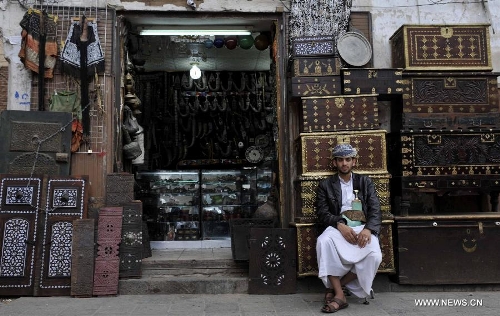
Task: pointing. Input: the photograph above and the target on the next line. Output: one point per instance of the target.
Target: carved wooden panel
(119, 188)
(441, 47)
(25, 132)
(19, 215)
(82, 258)
(66, 201)
(272, 265)
(131, 241)
(107, 261)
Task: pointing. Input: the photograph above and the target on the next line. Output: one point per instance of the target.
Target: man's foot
(335, 305)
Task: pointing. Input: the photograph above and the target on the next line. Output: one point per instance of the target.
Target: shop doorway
(206, 106)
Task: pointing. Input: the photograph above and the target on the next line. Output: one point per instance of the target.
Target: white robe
(336, 256)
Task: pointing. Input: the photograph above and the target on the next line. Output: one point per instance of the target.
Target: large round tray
(354, 49)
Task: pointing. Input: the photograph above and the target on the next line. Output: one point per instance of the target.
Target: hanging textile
(36, 24)
(319, 17)
(70, 55)
(69, 101)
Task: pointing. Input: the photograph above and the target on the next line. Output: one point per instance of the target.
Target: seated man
(348, 250)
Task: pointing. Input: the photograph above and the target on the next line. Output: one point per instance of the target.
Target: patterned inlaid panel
(272, 261)
(449, 153)
(66, 202)
(316, 151)
(131, 242)
(107, 261)
(82, 258)
(19, 216)
(441, 47)
(307, 195)
(307, 234)
(432, 92)
(314, 46)
(340, 113)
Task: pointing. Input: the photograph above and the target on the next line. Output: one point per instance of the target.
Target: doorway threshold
(191, 244)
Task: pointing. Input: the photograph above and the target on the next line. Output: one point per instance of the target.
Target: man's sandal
(330, 308)
(329, 295)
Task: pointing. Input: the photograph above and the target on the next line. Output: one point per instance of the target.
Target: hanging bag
(130, 122)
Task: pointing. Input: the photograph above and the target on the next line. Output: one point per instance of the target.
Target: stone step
(202, 271)
(195, 284)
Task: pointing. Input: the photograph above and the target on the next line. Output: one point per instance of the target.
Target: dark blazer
(329, 201)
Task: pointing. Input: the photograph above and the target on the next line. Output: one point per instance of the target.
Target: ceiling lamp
(195, 72)
(186, 30)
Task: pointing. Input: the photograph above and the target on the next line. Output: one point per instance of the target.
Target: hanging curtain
(36, 23)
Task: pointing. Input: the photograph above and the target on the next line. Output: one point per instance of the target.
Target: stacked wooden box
(448, 159)
(339, 105)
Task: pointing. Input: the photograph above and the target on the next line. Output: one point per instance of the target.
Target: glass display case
(171, 204)
(264, 177)
(226, 194)
(194, 204)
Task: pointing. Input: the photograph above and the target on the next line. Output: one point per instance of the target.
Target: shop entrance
(205, 106)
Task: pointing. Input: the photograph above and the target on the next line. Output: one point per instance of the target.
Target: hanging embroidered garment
(70, 55)
(36, 24)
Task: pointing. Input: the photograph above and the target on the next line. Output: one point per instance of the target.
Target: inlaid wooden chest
(316, 151)
(340, 113)
(457, 249)
(307, 234)
(453, 121)
(441, 47)
(450, 92)
(444, 194)
(322, 45)
(316, 86)
(372, 81)
(306, 193)
(316, 66)
(450, 153)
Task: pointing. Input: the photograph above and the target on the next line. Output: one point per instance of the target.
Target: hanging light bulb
(195, 72)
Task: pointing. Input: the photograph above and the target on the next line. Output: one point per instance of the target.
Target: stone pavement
(385, 303)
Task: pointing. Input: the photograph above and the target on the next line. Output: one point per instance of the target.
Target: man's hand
(364, 237)
(348, 233)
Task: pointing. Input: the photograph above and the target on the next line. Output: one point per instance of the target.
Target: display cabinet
(226, 194)
(171, 204)
(194, 204)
